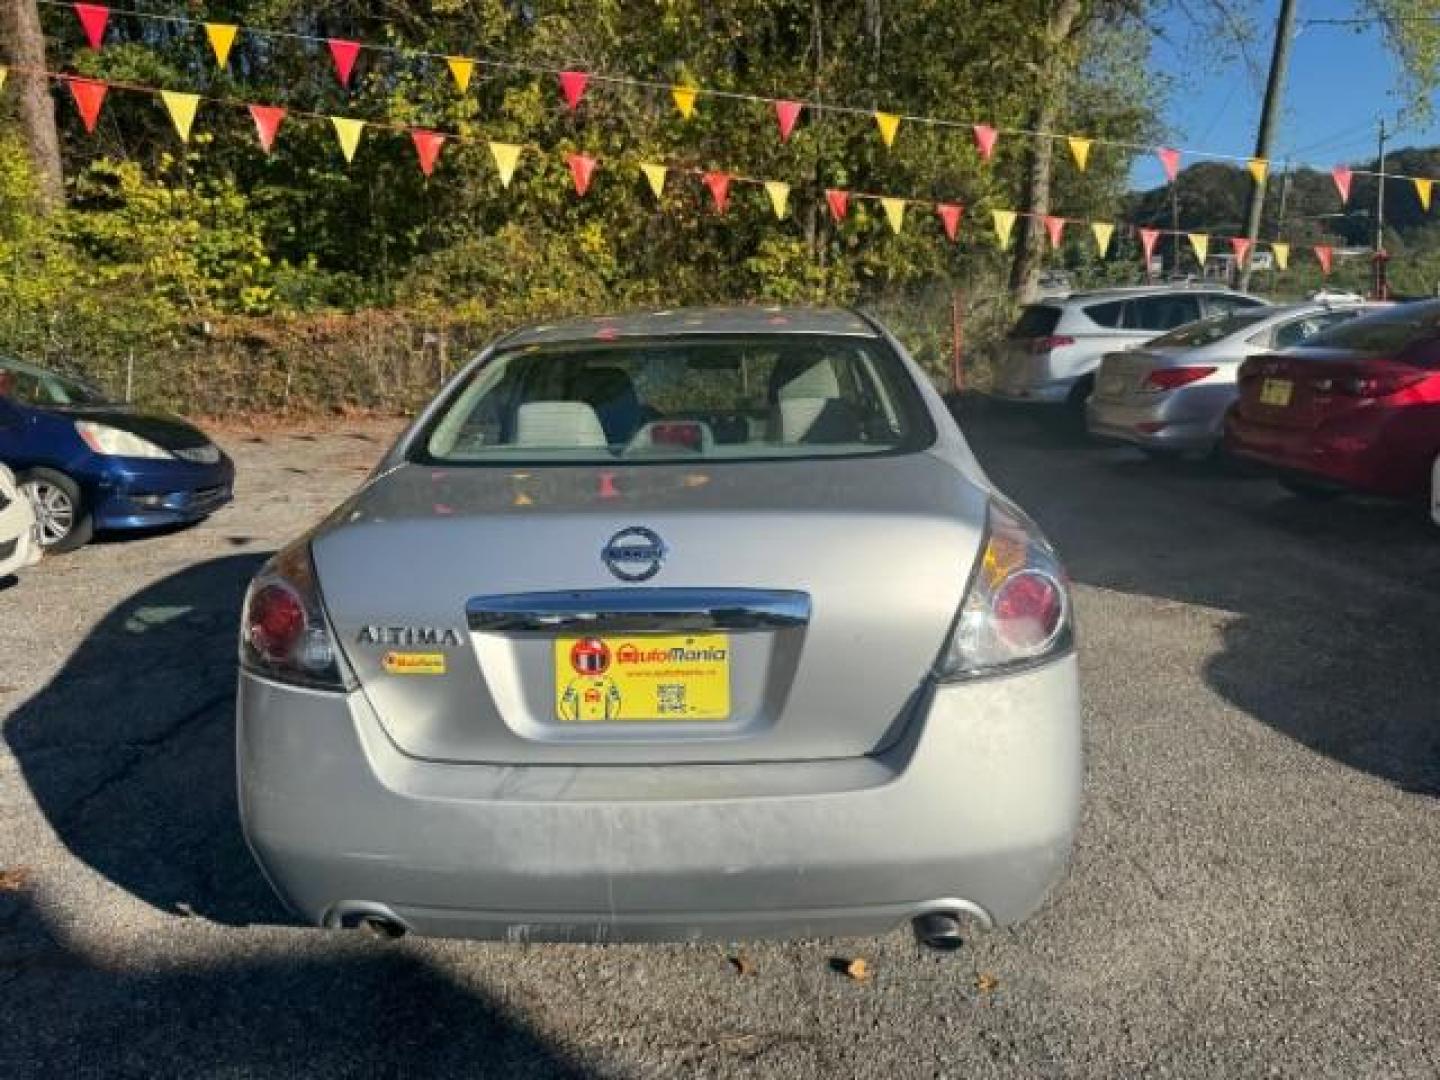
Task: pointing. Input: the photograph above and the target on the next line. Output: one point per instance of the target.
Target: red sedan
(1357, 407)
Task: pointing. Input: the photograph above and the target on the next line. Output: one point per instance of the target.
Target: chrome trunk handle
(596, 611)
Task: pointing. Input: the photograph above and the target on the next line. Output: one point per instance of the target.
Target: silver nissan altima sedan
(686, 625)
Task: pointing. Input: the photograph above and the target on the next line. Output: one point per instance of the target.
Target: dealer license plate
(1276, 392)
(642, 677)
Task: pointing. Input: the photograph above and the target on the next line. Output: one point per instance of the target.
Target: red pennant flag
(719, 185)
(985, 137)
(93, 18)
(1323, 252)
(344, 54)
(786, 113)
(1241, 246)
(1170, 159)
(89, 95)
(1147, 241)
(839, 203)
(582, 167)
(1342, 177)
(572, 85)
(1055, 226)
(267, 122)
(950, 217)
(428, 145)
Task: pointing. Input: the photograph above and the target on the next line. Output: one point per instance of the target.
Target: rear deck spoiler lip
(643, 609)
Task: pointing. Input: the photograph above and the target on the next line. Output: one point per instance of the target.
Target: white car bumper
(18, 546)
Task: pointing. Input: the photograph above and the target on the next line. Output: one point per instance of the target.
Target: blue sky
(1341, 81)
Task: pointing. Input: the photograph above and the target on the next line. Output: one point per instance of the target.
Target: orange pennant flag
(582, 168)
(93, 18)
(267, 122)
(719, 185)
(1055, 229)
(89, 96)
(950, 217)
(428, 145)
(889, 124)
(222, 38)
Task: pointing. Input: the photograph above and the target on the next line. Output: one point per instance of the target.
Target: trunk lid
(1310, 386)
(461, 568)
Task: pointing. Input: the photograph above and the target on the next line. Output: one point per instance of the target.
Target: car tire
(1076, 401)
(1310, 490)
(65, 522)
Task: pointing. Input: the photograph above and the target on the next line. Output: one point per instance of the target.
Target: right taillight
(1046, 344)
(284, 634)
(1016, 611)
(1176, 377)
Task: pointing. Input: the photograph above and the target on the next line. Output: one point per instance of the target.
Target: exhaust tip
(381, 928)
(938, 930)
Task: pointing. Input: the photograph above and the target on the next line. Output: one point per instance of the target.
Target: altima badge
(634, 554)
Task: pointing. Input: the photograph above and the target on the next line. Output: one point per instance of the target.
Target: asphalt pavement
(1256, 889)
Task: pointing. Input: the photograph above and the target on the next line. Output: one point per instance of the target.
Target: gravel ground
(1256, 890)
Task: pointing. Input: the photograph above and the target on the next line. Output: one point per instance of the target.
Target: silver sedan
(697, 624)
(1170, 395)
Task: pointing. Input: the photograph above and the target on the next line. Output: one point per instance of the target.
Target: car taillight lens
(1172, 378)
(1372, 386)
(284, 634)
(1045, 344)
(1016, 611)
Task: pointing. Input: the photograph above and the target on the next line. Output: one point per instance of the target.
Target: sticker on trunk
(645, 677)
(414, 663)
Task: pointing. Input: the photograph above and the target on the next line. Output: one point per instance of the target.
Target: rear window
(1111, 315)
(1407, 328)
(1209, 331)
(1036, 321)
(667, 400)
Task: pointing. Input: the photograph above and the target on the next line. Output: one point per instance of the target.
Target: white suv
(1051, 353)
(18, 541)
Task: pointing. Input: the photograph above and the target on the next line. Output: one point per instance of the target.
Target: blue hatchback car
(88, 463)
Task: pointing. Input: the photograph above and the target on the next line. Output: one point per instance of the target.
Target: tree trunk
(24, 47)
(1053, 76)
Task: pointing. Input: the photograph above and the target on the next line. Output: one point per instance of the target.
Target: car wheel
(62, 519)
(1309, 489)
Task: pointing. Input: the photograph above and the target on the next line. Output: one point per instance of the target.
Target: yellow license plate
(644, 677)
(1276, 391)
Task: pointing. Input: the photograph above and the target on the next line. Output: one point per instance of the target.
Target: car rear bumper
(1356, 453)
(18, 547)
(1178, 420)
(1055, 392)
(146, 494)
(974, 812)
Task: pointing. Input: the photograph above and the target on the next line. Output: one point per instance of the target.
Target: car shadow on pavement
(130, 750)
(1328, 614)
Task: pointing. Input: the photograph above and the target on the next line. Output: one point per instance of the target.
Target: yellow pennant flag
(1423, 189)
(3, 72)
(894, 213)
(348, 132)
(1282, 255)
(507, 156)
(656, 175)
(889, 124)
(684, 100)
(1079, 150)
(181, 108)
(1004, 225)
(1103, 231)
(779, 193)
(222, 39)
(1258, 167)
(1200, 243)
(460, 70)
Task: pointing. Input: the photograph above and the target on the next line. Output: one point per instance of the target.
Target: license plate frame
(643, 678)
(1277, 392)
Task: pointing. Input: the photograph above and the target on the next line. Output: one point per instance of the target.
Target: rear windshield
(1209, 331)
(659, 401)
(1036, 321)
(1407, 328)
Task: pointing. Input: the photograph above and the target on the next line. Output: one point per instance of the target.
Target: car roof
(698, 321)
(1130, 291)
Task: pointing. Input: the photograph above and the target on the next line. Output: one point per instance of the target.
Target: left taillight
(284, 634)
(1173, 378)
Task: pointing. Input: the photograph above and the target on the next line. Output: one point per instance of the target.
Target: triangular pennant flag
(181, 108)
(1055, 229)
(1342, 176)
(572, 85)
(1103, 231)
(89, 95)
(779, 193)
(1282, 254)
(889, 124)
(719, 185)
(1147, 242)
(1169, 161)
(894, 213)
(582, 167)
(1240, 245)
(1004, 225)
(985, 137)
(839, 202)
(461, 70)
(1423, 189)
(786, 113)
(684, 97)
(655, 174)
(3, 72)
(1259, 168)
(344, 53)
(267, 122)
(428, 145)
(1079, 150)
(93, 18)
(507, 156)
(1200, 243)
(348, 132)
(1323, 252)
(950, 217)
(222, 40)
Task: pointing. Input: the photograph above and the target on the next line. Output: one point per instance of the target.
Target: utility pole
(1381, 286)
(1274, 91)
